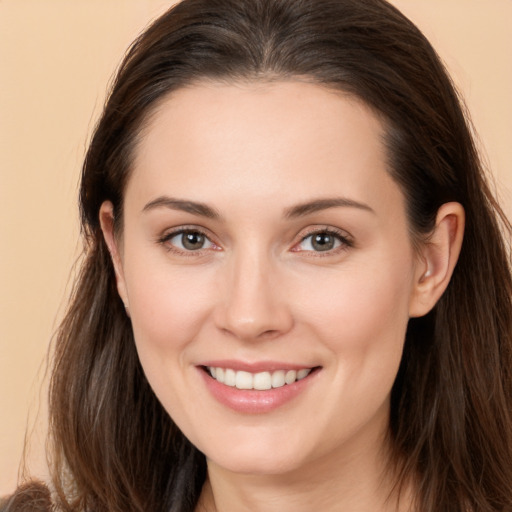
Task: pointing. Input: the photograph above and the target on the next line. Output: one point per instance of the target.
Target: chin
(256, 465)
(253, 459)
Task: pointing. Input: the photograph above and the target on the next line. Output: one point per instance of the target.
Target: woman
(296, 292)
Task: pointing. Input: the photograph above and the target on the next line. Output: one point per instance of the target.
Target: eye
(188, 240)
(323, 241)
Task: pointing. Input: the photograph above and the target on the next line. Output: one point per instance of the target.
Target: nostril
(270, 333)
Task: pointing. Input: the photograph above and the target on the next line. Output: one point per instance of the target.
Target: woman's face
(264, 242)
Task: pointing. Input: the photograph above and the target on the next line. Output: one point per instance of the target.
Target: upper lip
(255, 366)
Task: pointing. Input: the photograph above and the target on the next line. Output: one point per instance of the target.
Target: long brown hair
(115, 449)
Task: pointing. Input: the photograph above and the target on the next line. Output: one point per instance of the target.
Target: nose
(253, 303)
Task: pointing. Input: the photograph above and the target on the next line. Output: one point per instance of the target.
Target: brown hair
(114, 446)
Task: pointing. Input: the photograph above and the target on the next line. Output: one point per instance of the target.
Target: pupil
(192, 241)
(323, 242)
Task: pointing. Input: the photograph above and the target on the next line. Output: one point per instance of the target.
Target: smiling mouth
(260, 381)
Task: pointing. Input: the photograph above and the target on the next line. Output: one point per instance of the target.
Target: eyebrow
(316, 205)
(193, 207)
(292, 212)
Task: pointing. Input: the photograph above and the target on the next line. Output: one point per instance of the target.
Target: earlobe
(439, 255)
(106, 217)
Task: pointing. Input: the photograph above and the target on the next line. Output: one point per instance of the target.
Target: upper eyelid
(341, 233)
(171, 232)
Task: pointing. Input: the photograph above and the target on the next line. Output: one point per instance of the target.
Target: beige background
(56, 57)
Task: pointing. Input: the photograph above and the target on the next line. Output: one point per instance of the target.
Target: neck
(359, 481)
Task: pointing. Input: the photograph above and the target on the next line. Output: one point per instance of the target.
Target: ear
(438, 257)
(107, 227)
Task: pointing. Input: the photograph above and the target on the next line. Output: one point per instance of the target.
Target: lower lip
(251, 401)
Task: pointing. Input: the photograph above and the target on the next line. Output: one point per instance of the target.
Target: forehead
(291, 140)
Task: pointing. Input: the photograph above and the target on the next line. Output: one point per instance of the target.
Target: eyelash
(164, 240)
(345, 241)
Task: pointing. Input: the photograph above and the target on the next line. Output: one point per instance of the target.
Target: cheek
(361, 311)
(169, 308)
(362, 321)
(168, 305)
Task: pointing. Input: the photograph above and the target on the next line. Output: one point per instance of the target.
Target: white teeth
(303, 373)
(260, 381)
(243, 380)
(230, 377)
(278, 379)
(290, 377)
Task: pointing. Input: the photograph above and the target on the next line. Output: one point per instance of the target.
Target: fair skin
(296, 255)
